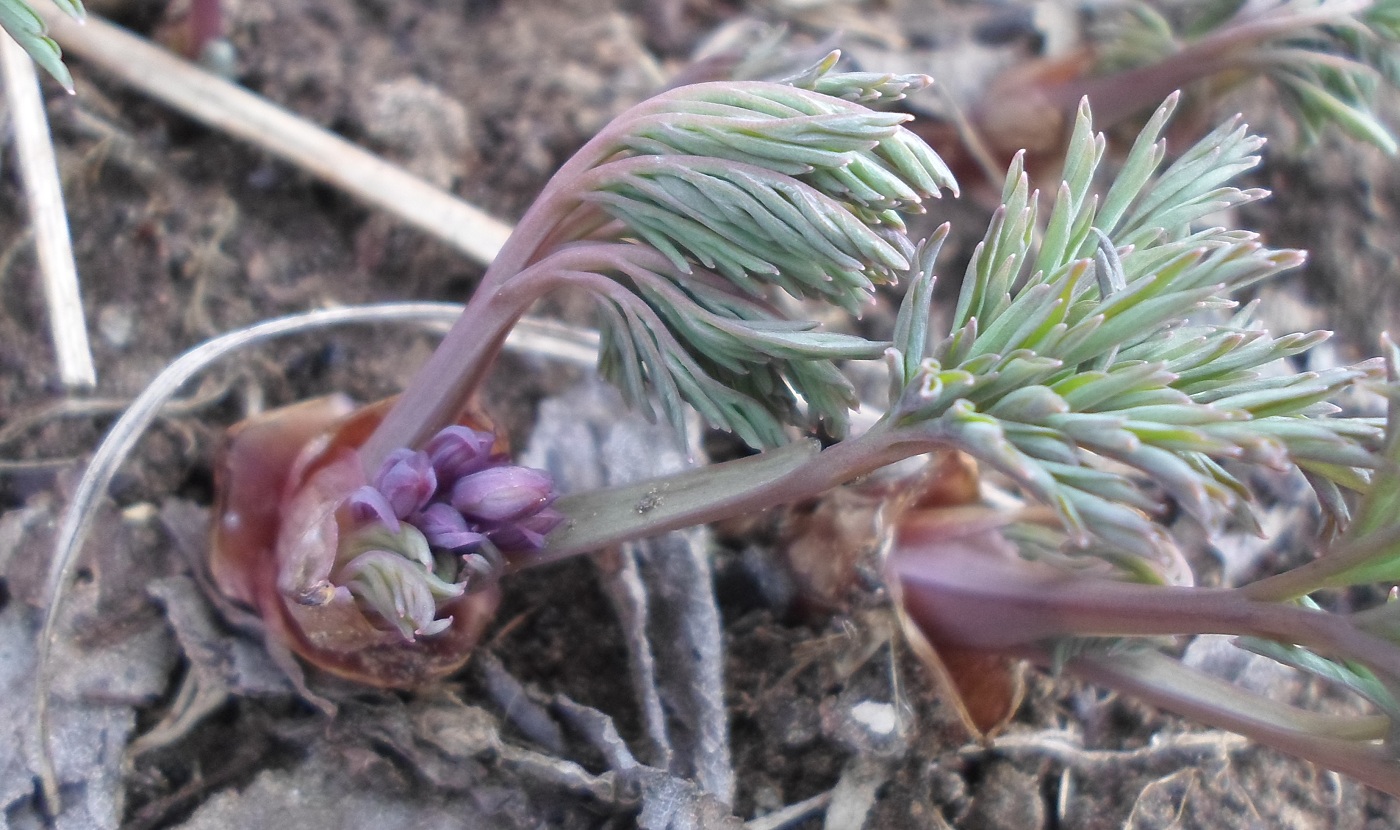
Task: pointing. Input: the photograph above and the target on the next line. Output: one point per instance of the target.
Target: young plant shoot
(1094, 359)
(678, 217)
(1325, 60)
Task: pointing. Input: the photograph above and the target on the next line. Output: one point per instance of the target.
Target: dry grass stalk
(39, 172)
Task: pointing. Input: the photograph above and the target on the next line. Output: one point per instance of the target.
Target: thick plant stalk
(965, 589)
(968, 587)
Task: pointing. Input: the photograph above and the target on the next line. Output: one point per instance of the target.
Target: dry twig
(217, 103)
(39, 171)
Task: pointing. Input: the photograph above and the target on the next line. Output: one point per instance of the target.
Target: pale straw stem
(39, 171)
(232, 109)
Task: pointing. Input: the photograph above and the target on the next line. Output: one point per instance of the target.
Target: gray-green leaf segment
(24, 25)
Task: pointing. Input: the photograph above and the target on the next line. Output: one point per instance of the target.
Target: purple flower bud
(445, 528)
(459, 451)
(503, 494)
(367, 505)
(527, 533)
(407, 481)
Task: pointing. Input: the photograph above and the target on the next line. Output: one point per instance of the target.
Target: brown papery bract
(281, 480)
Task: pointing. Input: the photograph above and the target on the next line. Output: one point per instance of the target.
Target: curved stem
(1163, 682)
(1318, 574)
(441, 389)
(443, 386)
(584, 222)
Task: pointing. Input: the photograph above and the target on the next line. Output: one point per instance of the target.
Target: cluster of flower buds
(431, 520)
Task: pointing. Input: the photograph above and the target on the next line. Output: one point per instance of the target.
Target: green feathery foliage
(724, 191)
(1108, 338)
(1099, 360)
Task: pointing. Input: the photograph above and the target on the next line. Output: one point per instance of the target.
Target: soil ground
(182, 233)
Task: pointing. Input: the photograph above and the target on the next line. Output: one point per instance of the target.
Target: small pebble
(879, 718)
(116, 325)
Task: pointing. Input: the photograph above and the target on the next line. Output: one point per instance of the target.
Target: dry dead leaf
(985, 688)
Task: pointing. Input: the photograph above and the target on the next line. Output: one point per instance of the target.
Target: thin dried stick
(39, 170)
(238, 112)
(71, 407)
(791, 814)
(544, 338)
(78, 519)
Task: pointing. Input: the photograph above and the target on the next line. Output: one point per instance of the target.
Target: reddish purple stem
(206, 24)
